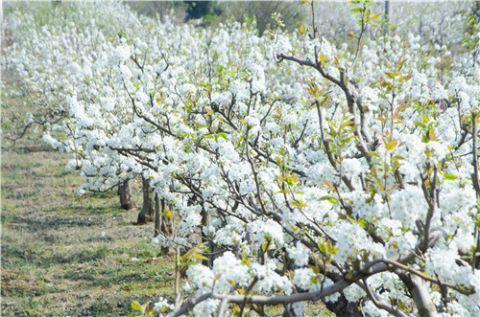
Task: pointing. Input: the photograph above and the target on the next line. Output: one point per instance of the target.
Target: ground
(68, 255)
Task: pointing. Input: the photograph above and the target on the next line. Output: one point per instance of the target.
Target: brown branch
(373, 297)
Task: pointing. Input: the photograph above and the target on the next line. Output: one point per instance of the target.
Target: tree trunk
(288, 310)
(147, 212)
(125, 196)
(422, 298)
(158, 224)
(386, 17)
(419, 291)
(343, 308)
(205, 239)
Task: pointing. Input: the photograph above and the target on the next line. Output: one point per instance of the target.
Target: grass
(69, 255)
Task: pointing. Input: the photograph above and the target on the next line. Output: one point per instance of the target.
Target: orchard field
(64, 254)
(240, 159)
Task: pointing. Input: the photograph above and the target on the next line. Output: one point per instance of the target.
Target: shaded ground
(69, 255)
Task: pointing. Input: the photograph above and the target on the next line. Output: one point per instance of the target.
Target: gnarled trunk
(125, 195)
(147, 212)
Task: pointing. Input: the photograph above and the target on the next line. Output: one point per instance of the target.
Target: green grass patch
(64, 254)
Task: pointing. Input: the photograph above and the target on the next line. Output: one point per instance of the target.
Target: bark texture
(418, 288)
(158, 219)
(125, 196)
(161, 223)
(422, 298)
(206, 220)
(343, 308)
(148, 209)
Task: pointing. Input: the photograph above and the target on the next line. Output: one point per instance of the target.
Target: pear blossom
(298, 164)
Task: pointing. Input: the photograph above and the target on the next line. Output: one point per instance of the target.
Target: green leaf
(223, 135)
(362, 223)
(299, 204)
(330, 199)
(291, 179)
(246, 261)
(449, 177)
(302, 29)
(390, 145)
(264, 246)
(136, 306)
(199, 256)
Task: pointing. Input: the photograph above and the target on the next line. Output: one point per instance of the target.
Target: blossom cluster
(304, 166)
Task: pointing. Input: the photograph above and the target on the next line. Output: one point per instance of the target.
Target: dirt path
(68, 255)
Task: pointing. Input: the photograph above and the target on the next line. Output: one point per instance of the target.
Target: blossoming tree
(287, 168)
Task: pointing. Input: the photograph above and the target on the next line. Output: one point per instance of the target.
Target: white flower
(253, 123)
(283, 45)
(307, 280)
(126, 72)
(408, 205)
(266, 232)
(122, 53)
(47, 138)
(351, 167)
(162, 306)
(75, 69)
(299, 254)
(201, 276)
(353, 293)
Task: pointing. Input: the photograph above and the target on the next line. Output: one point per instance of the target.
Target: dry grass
(69, 255)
